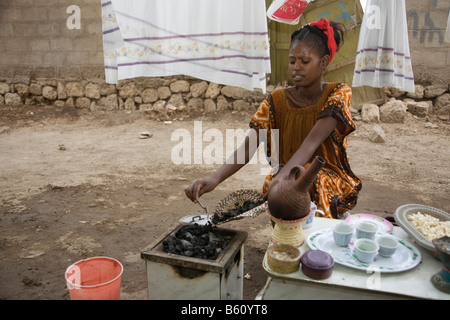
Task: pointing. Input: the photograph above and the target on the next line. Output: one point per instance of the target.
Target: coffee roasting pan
(198, 218)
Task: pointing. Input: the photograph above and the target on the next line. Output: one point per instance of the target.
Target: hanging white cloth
(383, 58)
(447, 30)
(112, 39)
(221, 41)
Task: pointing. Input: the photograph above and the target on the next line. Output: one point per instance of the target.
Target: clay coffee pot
(289, 203)
(289, 199)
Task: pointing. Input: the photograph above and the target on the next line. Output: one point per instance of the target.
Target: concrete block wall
(36, 43)
(430, 54)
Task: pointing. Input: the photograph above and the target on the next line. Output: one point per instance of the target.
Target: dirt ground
(75, 184)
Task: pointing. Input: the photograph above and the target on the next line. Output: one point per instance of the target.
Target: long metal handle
(205, 208)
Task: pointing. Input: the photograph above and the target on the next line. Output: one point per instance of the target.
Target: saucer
(383, 224)
(405, 257)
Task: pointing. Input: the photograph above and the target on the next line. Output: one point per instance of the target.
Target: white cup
(343, 233)
(366, 229)
(388, 245)
(366, 250)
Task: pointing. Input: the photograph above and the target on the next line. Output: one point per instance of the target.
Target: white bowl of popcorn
(423, 223)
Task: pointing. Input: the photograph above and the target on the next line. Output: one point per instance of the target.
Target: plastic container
(97, 278)
(317, 264)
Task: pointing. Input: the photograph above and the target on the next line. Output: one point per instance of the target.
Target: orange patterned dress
(335, 190)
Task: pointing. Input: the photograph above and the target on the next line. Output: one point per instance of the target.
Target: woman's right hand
(200, 187)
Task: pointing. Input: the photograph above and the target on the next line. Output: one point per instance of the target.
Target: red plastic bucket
(97, 278)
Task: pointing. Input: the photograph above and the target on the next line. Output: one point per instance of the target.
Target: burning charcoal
(188, 236)
(196, 241)
(188, 253)
(186, 245)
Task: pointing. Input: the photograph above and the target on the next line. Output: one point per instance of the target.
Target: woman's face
(305, 65)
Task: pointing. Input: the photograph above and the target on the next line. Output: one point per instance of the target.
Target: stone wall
(45, 57)
(428, 104)
(157, 95)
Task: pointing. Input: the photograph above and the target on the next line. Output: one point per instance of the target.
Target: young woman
(312, 118)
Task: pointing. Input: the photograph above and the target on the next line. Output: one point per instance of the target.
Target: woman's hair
(318, 39)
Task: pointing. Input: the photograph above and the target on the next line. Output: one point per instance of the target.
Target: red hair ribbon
(324, 25)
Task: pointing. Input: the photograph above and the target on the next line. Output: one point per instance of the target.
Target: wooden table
(349, 283)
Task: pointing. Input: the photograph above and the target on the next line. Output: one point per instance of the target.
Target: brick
(420, 108)
(49, 29)
(422, 57)
(441, 5)
(58, 14)
(16, 44)
(11, 14)
(94, 28)
(424, 5)
(96, 58)
(31, 58)
(6, 29)
(439, 18)
(34, 14)
(86, 44)
(73, 33)
(46, 3)
(6, 3)
(61, 44)
(40, 45)
(23, 3)
(55, 58)
(25, 29)
(77, 58)
(90, 11)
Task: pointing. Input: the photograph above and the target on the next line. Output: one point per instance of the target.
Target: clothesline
(225, 41)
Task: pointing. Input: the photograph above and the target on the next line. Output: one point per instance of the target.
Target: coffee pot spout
(308, 175)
